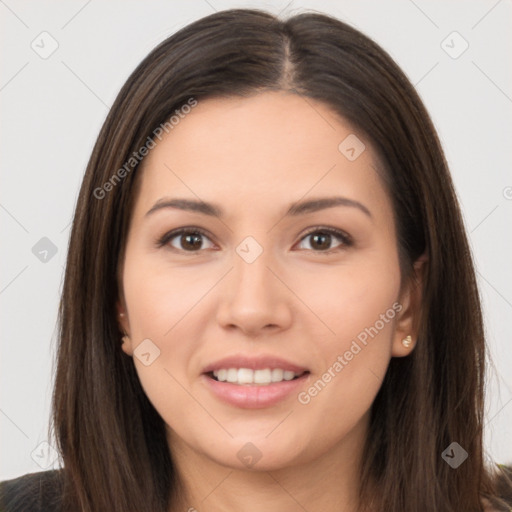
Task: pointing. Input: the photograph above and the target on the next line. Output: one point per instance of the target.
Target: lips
(248, 393)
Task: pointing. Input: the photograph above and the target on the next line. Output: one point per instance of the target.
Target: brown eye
(191, 241)
(321, 240)
(186, 240)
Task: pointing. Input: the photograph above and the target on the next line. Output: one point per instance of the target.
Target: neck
(327, 481)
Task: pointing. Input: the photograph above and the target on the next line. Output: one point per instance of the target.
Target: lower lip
(256, 396)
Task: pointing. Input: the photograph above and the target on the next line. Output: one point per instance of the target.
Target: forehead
(270, 148)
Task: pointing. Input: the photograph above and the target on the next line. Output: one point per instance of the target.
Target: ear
(124, 327)
(407, 320)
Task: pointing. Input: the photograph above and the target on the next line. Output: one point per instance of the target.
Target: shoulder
(502, 500)
(37, 492)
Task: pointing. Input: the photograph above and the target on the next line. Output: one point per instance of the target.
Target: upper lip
(254, 363)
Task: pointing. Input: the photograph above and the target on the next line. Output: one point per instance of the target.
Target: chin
(256, 453)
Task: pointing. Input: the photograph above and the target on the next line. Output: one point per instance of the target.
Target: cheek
(359, 306)
(163, 306)
(161, 298)
(352, 298)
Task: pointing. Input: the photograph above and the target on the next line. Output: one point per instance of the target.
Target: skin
(254, 157)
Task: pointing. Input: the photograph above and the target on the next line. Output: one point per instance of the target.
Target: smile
(247, 376)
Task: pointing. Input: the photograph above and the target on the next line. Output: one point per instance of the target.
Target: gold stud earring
(407, 341)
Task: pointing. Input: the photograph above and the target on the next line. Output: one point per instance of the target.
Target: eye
(190, 239)
(321, 239)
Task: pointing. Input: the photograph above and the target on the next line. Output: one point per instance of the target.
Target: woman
(269, 301)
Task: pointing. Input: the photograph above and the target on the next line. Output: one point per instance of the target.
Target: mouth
(254, 381)
(247, 388)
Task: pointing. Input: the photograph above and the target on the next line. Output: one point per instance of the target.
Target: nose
(255, 297)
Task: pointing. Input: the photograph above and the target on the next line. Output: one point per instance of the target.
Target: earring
(125, 338)
(407, 342)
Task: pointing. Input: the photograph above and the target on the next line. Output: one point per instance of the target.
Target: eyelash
(342, 236)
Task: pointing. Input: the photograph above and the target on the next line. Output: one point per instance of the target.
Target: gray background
(52, 110)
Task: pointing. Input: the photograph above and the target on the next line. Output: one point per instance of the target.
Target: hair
(111, 439)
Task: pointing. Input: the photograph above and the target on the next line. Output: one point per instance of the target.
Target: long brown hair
(111, 439)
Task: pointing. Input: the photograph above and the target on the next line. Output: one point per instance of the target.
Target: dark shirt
(42, 492)
(33, 492)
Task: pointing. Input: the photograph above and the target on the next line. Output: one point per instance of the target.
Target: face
(261, 289)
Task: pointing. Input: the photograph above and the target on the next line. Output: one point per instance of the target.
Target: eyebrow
(298, 208)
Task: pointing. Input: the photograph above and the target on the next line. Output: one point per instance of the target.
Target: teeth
(263, 377)
(277, 375)
(245, 376)
(231, 375)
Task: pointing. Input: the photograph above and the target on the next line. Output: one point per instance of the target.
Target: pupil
(324, 237)
(196, 243)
